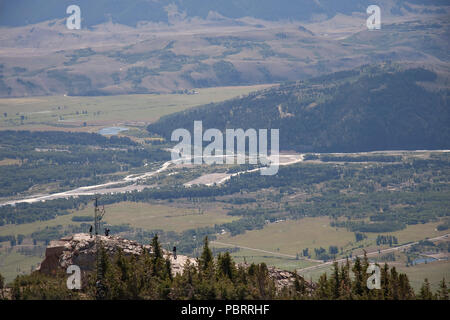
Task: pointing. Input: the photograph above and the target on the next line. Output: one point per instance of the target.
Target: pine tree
(394, 284)
(385, 282)
(2, 286)
(336, 281)
(323, 288)
(115, 275)
(364, 276)
(265, 286)
(299, 285)
(134, 286)
(225, 266)
(156, 248)
(168, 269)
(425, 291)
(206, 259)
(405, 290)
(358, 285)
(346, 282)
(102, 288)
(443, 291)
(206, 287)
(122, 265)
(147, 270)
(242, 275)
(157, 257)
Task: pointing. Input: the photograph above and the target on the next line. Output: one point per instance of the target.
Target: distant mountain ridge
(366, 109)
(130, 12)
(189, 44)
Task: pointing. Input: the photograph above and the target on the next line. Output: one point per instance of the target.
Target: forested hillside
(380, 107)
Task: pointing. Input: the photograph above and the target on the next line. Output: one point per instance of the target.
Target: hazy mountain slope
(48, 59)
(181, 52)
(129, 12)
(372, 108)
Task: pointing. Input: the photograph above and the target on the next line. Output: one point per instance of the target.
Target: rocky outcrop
(283, 278)
(79, 249)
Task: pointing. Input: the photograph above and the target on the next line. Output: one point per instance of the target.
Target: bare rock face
(79, 249)
(281, 278)
(51, 262)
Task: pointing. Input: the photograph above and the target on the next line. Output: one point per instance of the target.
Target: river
(208, 180)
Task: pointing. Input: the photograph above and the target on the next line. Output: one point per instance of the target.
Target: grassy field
(161, 216)
(250, 256)
(418, 232)
(66, 112)
(139, 215)
(291, 237)
(411, 233)
(434, 271)
(14, 263)
(315, 274)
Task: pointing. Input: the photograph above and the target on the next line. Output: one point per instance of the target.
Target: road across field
(373, 253)
(265, 251)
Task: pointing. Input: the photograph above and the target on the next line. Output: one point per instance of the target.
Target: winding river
(208, 179)
(108, 188)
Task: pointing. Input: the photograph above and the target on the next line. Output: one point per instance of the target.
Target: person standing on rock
(90, 231)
